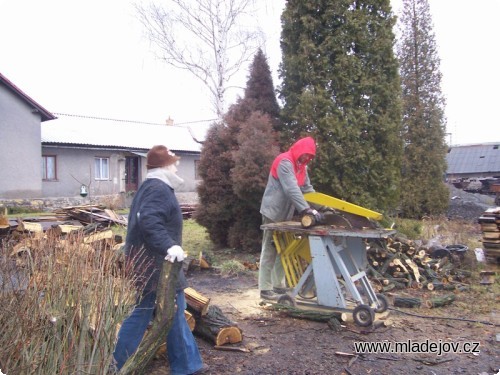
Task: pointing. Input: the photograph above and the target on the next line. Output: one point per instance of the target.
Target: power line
(129, 121)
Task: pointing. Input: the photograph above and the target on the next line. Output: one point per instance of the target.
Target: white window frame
(101, 169)
(49, 169)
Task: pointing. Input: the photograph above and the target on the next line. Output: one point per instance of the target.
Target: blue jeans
(183, 354)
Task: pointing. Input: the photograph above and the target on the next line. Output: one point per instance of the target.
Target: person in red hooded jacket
(288, 181)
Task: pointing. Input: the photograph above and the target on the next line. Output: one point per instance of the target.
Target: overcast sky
(90, 58)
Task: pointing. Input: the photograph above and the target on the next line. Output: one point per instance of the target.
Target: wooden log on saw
(308, 221)
(217, 328)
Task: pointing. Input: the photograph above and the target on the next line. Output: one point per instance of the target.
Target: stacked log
(209, 321)
(490, 227)
(399, 263)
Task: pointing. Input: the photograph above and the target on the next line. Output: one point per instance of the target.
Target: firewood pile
(91, 218)
(84, 220)
(490, 227)
(89, 214)
(400, 263)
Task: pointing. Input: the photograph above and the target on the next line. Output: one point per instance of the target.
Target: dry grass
(61, 305)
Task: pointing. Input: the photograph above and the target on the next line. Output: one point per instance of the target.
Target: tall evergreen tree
(424, 161)
(260, 93)
(235, 162)
(340, 84)
(252, 161)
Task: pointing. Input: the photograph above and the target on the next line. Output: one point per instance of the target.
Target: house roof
(90, 131)
(474, 158)
(45, 115)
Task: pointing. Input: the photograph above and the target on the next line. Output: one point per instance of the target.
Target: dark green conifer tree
(340, 84)
(424, 161)
(235, 162)
(215, 190)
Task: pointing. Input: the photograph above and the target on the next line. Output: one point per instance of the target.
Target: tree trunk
(165, 310)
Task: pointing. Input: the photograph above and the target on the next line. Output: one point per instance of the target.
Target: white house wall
(75, 166)
(20, 150)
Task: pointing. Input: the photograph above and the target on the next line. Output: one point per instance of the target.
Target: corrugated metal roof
(477, 158)
(87, 131)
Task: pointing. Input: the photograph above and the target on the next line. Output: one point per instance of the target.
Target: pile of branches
(400, 263)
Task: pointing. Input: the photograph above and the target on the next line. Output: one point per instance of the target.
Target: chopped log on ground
(440, 301)
(217, 328)
(315, 315)
(196, 302)
(190, 320)
(199, 261)
(407, 302)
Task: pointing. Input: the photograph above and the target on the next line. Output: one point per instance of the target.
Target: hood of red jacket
(302, 146)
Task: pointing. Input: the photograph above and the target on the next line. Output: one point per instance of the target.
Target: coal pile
(467, 206)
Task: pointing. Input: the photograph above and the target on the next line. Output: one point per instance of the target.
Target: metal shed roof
(477, 158)
(116, 133)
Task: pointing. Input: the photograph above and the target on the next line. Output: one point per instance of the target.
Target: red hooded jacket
(302, 146)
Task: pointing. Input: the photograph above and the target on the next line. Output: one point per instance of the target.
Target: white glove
(175, 253)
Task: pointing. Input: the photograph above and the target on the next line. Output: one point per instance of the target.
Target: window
(49, 168)
(196, 172)
(102, 168)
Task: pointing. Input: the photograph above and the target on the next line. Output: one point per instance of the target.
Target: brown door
(131, 173)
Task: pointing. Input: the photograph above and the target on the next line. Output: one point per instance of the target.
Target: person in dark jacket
(284, 194)
(154, 235)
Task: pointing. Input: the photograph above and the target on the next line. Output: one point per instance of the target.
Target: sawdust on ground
(277, 344)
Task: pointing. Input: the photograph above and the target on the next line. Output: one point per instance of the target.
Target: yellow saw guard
(338, 204)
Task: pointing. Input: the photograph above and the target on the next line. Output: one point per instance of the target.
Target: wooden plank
(30, 227)
(491, 235)
(106, 234)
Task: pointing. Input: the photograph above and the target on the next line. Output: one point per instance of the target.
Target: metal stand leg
(343, 257)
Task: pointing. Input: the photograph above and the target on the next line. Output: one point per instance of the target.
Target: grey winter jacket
(283, 195)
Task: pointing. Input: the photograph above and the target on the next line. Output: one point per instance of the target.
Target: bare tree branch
(208, 38)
